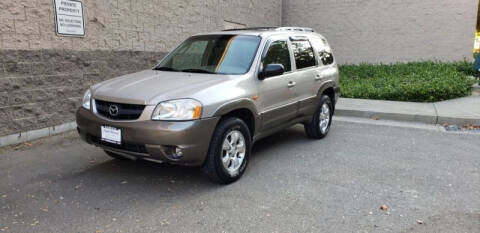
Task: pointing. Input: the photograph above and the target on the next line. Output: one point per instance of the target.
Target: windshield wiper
(165, 68)
(198, 71)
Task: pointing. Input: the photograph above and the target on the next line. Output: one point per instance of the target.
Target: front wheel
(321, 120)
(229, 151)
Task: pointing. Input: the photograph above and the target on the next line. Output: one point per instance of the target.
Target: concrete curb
(36, 134)
(460, 121)
(461, 111)
(426, 119)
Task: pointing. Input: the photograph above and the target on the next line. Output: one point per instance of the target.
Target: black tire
(312, 129)
(213, 166)
(116, 156)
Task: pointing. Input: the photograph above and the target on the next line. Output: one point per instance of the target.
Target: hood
(149, 87)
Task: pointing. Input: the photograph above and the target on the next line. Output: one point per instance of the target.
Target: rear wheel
(321, 120)
(229, 151)
(116, 156)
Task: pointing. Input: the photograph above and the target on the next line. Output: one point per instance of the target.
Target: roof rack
(300, 29)
(251, 29)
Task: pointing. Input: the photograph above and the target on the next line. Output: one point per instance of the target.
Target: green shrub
(466, 67)
(414, 81)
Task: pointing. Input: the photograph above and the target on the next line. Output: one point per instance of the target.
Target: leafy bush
(466, 67)
(414, 81)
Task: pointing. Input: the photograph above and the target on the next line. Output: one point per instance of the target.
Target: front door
(277, 94)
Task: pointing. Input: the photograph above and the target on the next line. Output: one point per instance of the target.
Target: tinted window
(278, 54)
(303, 52)
(324, 51)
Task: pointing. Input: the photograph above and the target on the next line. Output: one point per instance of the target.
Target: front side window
(218, 54)
(303, 52)
(278, 53)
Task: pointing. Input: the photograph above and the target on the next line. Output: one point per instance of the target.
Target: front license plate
(111, 134)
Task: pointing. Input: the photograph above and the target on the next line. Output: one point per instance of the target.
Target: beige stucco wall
(140, 25)
(384, 31)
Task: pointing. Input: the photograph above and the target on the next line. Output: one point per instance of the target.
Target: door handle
(291, 84)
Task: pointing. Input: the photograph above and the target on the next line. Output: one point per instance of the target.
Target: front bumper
(152, 140)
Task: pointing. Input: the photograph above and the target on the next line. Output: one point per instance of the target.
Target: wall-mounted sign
(69, 18)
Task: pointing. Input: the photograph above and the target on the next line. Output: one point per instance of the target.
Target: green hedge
(414, 81)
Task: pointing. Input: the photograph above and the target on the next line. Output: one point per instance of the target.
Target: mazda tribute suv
(212, 97)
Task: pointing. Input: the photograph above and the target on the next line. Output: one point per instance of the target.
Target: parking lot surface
(427, 180)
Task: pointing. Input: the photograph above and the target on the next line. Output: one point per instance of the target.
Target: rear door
(306, 72)
(277, 94)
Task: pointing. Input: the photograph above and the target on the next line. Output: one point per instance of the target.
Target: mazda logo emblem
(113, 110)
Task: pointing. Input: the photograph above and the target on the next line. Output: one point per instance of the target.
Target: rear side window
(278, 54)
(303, 52)
(324, 51)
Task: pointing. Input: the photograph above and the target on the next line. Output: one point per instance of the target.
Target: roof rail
(250, 29)
(301, 29)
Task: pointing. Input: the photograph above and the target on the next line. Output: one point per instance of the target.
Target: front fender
(239, 104)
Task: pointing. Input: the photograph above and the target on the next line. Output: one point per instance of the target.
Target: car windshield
(216, 54)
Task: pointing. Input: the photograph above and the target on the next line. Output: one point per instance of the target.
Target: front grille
(137, 148)
(124, 111)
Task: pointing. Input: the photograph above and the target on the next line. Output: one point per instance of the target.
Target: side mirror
(271, 70)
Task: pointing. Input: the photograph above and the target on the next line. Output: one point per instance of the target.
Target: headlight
(86, 99)
(178, 110)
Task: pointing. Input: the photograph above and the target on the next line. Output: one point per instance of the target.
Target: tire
(314, 129)
(226, 151)
(116, 156)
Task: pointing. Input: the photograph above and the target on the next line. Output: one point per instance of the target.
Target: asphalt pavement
(428, 180)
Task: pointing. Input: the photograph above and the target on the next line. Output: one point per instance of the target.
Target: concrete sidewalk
(459, 111)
